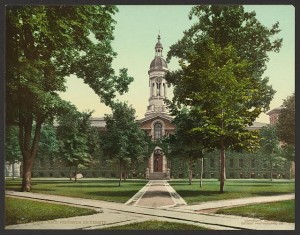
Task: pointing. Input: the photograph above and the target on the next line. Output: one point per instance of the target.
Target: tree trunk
(290, 166)
(190, 172)
(222, 167)
(201, 172)
(124, 178)
(75, 177)
(13, 170)
(70, 173)
(28, 149)
(27, 169)
(120, 172)
(271, 167)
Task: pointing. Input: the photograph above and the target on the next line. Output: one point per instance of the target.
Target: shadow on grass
(195, 193)
(128, 193)
(249, 185)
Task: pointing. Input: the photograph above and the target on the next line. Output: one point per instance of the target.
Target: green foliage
(44, 45)
(12, 147)
(185, 143)
(288, 152)
(230, 24)
(222, 58)
(286, 128)
(48, 145)
(21, 211)
(123, 137)
(123, 140)
(269, 141)
(73, 135)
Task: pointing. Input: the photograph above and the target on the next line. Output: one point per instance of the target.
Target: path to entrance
(157, 194)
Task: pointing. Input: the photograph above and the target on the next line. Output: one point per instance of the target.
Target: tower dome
(158, 62)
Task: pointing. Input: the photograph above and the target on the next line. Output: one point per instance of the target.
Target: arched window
(157, 131)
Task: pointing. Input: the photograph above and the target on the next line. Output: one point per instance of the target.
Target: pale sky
(136, 35)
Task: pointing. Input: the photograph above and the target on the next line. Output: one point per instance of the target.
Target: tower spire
(158, 46)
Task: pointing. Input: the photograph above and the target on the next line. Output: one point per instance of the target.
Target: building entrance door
(157, 163)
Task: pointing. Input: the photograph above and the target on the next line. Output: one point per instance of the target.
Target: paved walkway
(157, 194)
(114, 214)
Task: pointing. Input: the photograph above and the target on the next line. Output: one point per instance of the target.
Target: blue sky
(136, 35)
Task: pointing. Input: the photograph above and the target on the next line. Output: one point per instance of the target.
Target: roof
(275, 111)
(158, 63)
(98, 121)
(257, 126)
(156, 115)
(158, 45)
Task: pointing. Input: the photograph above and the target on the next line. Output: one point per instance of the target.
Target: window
(51, 162)
(157, 131)
(231, 163)
(252, 163)
(241, 163)
(42, 162)
(212, 163)
(264, 163)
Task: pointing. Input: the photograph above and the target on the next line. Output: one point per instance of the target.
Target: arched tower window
(157, 131)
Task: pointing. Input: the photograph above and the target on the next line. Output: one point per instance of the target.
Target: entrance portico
(157, 165)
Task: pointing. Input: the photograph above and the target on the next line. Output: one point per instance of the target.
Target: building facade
(158, 123)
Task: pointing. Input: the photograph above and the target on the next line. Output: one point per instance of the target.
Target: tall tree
(44, 45)
(286, 129)
(286, 121)
(73, 134)
(220, 76)
(123, 140)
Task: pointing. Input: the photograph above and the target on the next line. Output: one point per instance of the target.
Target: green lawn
(107, 190)
(283, 211)
(20, 211)
(193, 194)
(156, 225)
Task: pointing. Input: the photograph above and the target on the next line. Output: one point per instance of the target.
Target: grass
(107, 190)
(193, 194)
(283, 211)
(156, 225)
(20, 211)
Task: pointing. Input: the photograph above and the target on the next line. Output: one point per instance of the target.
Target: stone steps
(158, 176)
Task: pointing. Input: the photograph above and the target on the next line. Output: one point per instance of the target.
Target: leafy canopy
(219, 77)
(286, 121)
(47, 43)
(123, 138)
(73, 133)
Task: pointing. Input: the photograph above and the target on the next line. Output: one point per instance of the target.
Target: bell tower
(157, 82)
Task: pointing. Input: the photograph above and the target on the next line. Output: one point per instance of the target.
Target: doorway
(157, 163)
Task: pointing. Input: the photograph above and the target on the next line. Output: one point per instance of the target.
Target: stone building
(158, 123)
(273, 115)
